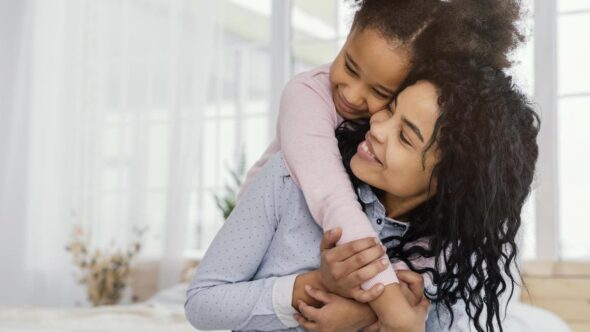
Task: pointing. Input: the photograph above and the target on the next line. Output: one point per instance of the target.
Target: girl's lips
(345, 106)
(364, 151)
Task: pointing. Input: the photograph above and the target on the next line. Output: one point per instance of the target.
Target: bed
(164, 312)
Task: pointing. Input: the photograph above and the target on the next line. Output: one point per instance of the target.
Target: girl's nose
(355, 97)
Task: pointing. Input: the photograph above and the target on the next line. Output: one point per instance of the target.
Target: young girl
(388, 37)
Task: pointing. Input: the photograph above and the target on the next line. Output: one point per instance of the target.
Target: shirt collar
(368, 197)
(366, 194)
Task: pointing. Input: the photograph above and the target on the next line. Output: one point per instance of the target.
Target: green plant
(227, 202)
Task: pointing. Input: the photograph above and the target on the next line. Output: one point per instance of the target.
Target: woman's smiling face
(392, 156)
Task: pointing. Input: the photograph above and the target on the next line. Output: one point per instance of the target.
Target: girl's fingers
(423, 307)
(414, 280)
(366, 296)
(318, 294)
(309, 312)
(375, 327)
(305, 323)
(412, 298)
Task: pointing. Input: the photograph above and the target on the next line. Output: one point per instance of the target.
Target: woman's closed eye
(403, 138)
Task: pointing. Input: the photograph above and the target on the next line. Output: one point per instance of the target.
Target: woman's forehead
(419, 102)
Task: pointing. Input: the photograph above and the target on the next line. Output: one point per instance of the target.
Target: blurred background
(118, 115)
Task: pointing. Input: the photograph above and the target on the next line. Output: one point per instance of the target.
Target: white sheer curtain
(101, 108)
(13, 146)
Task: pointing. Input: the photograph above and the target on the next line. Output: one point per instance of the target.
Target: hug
(391, 198)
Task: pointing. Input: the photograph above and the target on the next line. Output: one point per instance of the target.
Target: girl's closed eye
(351, 71)
(380, 94)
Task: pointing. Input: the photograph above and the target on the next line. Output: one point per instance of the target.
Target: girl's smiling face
(366, 74)
(392, 156)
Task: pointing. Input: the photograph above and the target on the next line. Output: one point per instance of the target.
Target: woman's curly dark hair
(485, 30)
(485, 137)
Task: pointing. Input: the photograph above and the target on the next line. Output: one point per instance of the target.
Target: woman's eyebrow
(414, 128)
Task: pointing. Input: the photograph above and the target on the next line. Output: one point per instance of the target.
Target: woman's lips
(364, 150)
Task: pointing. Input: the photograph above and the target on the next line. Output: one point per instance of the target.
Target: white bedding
(164, 312)
(140, 317)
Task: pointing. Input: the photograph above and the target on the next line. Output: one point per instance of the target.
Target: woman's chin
(366, 171)
(359, 168)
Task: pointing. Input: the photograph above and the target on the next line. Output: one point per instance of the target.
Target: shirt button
(379, 221)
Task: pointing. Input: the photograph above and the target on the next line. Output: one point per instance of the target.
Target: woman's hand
(336, 314)
(344, 268)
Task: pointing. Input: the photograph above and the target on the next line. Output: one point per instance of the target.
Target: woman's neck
(397, 207)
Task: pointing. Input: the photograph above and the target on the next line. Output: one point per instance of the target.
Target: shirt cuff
(282, 297)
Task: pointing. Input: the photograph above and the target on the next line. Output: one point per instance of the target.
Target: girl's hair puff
(484, 30)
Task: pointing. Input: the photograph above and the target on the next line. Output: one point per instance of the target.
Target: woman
(452, 161)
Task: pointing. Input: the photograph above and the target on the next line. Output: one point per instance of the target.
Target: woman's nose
(379, 128)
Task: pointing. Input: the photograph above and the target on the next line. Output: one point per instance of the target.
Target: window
(236, 122)
(523, 72)
(319, 29)
(573, 111)
(238, 111)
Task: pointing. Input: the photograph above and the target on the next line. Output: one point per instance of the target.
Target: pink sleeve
(307, 122)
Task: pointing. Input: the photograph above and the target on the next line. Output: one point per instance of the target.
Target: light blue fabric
(271, 233)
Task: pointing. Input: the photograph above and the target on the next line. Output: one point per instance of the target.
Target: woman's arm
(222, 294)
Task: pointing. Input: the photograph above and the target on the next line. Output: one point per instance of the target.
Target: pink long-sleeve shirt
(306, 135)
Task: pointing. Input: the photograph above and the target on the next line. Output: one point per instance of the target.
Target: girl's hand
(412, 286)
(414, 321)
(375, 327)
(344, 268)
(336, 314)
(413, 317)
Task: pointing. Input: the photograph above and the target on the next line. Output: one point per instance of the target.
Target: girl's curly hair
(486, 30)
(485, 136)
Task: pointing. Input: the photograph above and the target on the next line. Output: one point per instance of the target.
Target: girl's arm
(401, 306)
(222, 295)
(307, 121)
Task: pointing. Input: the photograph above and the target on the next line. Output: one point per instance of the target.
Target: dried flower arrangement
(104, 273)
